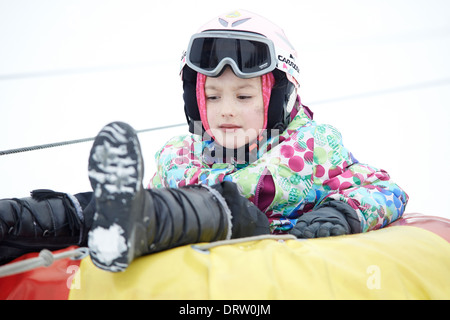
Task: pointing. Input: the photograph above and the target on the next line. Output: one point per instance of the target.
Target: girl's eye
(244, 97)
(212, 98)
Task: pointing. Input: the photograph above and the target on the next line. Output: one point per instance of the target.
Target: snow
(107, 244)
(376, 70)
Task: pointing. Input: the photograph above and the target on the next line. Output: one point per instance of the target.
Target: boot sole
(115, 174)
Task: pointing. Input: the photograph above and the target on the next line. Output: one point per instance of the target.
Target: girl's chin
(232, 140)
(230, 143)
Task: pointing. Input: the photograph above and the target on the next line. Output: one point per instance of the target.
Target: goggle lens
(249, 56)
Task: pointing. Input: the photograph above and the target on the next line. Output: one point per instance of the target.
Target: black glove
(247, 219)
(333, 218)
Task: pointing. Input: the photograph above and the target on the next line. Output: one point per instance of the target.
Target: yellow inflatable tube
(400, 262)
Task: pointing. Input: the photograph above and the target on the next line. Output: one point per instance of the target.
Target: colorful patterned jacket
(293, 172)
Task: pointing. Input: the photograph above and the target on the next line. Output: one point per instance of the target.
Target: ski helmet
(252, 46)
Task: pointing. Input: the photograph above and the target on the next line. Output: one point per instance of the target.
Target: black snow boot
(131, 221)
(46, 220)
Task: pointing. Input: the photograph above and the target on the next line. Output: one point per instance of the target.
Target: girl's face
(234, 108)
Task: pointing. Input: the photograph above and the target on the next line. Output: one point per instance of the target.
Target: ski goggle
(249, 55)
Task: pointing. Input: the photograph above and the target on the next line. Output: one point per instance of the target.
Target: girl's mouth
(228, 127)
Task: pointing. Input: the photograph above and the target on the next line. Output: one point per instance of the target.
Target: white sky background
(376, 70)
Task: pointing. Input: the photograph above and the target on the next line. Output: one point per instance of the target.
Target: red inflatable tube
(44, 283)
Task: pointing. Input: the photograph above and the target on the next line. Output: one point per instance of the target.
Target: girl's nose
(229, 109)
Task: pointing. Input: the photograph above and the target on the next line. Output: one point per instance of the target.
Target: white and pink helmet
(252, 46)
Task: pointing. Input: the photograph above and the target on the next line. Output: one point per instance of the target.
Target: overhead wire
(70, 142)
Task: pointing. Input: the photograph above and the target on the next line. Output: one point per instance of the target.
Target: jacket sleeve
(181, 162)
(339, 176)
(264, 182)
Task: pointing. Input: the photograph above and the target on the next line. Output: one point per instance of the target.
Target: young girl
(254, 163)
